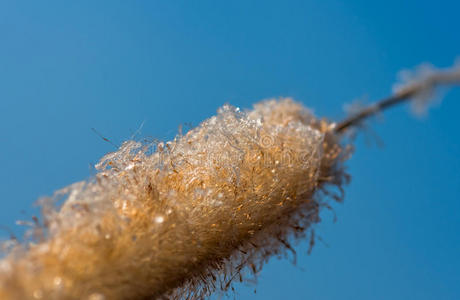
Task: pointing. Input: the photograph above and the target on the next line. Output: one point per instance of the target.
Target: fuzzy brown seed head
(188, 218)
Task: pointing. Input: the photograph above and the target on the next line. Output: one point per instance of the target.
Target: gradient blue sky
(68, 66)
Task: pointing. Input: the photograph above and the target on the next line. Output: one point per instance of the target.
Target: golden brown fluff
(181, 219)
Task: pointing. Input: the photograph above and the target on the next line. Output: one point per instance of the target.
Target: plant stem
(429, 83)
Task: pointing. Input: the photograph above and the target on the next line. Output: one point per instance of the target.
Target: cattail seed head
(184, 218)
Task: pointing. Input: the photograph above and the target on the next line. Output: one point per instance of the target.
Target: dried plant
(182, 219)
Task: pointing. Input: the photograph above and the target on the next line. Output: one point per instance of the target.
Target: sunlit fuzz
(184, 218)
(424, 81)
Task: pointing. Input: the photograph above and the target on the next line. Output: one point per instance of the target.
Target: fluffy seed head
(184, 218)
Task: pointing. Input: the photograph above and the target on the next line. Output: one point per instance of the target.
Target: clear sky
(66, 67)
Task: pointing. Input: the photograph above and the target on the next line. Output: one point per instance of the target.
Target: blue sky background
(66, 67)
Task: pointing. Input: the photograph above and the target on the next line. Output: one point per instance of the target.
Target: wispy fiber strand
(183, 219)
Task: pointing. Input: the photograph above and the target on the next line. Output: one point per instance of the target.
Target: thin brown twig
(372, 110)
(404, 95)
